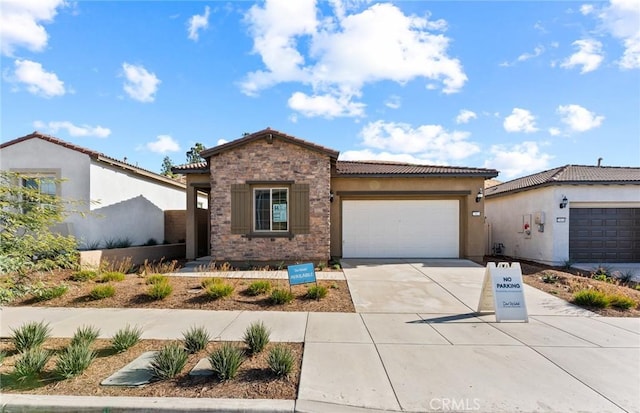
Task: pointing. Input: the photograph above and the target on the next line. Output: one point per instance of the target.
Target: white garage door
(400, 229)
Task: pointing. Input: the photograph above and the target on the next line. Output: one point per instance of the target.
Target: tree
(167, 164)
(26, 218)
(193, 154)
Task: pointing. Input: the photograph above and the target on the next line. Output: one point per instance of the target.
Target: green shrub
(83, 275)
(226, 360)
(280, 360)
(74, 360)
(3, 355)
(169, 361)
(256, 337)
(210, 281)
(150, 242)
(30, 364)
(219, 290)
(591, 298)
(112, 243)
(281, 296)
(30, 335)
(109, 276)
(259, 287)
(44, 293)
(621, 302)
(126, 338)
(626, 277)
(316, 292)
(102, 291)
(156, 278)
(196, 339)
(160, 290)
(85, 335)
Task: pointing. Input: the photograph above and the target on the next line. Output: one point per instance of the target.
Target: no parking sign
(503, 292)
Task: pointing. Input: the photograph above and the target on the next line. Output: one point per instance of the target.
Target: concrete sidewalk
(414, 345)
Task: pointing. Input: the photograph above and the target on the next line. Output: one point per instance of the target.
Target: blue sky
(516, 86)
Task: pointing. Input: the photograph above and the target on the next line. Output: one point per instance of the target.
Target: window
(44, 186)
(278, 210)
(270, 209)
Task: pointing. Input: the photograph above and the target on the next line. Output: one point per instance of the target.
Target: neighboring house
(572, 213)
(276, 197)
(119, 200)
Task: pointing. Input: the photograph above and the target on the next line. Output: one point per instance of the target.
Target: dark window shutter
(299, 218)
(240, 209)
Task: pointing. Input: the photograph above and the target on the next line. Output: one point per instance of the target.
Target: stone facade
(277, 161)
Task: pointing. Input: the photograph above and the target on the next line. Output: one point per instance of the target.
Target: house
(120, 201)
(572, 213)
(277, 197)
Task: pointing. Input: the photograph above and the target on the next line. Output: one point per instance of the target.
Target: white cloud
(554, 131)
(519, 159)
(621, 19)
(369, 155)
(579, 119)
(140, 84)
(537, 51)
(589, 56)
(163, 144)
(342, 52)
(431, 142)
(37, 80)
(328, 106)
(20, 24)
(586, 9)
(54, 127)
(221, 142)
(520, 120)
(198, 22)
(465, 116)
(393, 102)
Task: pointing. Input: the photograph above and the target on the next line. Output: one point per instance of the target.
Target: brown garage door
(604, 234)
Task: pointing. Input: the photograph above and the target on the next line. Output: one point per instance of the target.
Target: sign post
(503, 292)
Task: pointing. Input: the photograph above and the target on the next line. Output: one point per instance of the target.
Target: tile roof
(268, 133)
(570, 174)
(94, 155)
(198, 167)
(382, 168)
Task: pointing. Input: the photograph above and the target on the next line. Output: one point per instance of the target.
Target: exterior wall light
(330, 196)
(479, 195)
(563, 203)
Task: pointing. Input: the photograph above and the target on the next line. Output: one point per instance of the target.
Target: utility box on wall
(538, 218)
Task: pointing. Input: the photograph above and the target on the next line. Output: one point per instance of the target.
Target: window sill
(251, 235)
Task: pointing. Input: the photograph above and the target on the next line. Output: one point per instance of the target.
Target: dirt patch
(564, 283)
(254, 379)
(188, 294)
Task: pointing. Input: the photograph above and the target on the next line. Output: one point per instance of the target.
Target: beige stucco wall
(262, 161)
(472, 231)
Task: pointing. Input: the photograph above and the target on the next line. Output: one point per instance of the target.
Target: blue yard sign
(301, 274)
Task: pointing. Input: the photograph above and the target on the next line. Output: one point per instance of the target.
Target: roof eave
(561, 183)
(138, 171)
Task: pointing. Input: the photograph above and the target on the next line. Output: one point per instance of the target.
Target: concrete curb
(82, 404)
(311, 406)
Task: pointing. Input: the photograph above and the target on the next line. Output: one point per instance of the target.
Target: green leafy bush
(122, 242)
(259, 287)
(621, 302)
(256, 337)
(196, 339)
(160, 290)
(126, 338)
(210, 281)
(102, 291)
(83, 275)
(30, 364)
(41, 292)
(156, 278)
(281, 360)
(169, 361)
(30, 335)
(281, 296)
(591, 298)
(85, 335)
(109, 276)
(219, 290)
(74, 360)
(226, 360)
(316, 292)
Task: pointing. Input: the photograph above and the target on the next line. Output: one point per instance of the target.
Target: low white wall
(137, 255)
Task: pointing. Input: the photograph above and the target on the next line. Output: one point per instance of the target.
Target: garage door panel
(402, 228)
(604, 234)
